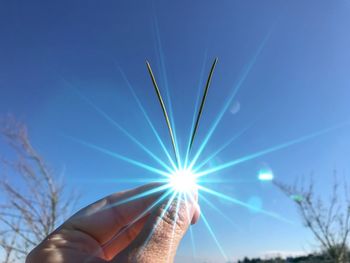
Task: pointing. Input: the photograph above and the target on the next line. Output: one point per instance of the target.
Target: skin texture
(127, 232)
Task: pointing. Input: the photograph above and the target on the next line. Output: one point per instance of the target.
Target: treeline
(301, 259)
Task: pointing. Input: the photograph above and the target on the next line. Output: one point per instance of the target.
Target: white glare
(265, 175)
(183, 181)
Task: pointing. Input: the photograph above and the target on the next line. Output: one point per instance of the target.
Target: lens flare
(265, 175)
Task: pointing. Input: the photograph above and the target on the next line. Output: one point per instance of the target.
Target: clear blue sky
(299, 84)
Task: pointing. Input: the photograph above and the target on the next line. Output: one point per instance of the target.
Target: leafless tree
(35, 200)
(328, 217)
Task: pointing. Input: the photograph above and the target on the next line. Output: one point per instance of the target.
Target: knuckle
(174, 215)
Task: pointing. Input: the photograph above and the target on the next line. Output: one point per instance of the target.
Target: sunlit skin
(142, 230)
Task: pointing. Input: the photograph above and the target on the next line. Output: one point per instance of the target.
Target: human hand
(120, 229)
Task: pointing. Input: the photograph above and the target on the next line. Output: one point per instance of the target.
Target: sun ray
(179, 196)
(123, 130)
(238, 85)
(165, 113)
(214, 207)
(118, 156)
(108, 181)
(161, 216)
(190, 228)
(270, 150)
(207, 180)
(225, 145)
(160, 52)
(204, 219)
(140, 196)
(195, 109)
(139, 104)
(140, 216)
(243, 204)
(193, 244)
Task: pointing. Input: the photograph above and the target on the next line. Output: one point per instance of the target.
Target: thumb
(161, 235)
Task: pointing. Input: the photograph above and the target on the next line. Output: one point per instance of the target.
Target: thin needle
(163, 109)
(203, 102)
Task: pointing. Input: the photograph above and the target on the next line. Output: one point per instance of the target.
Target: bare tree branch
(36, 201)
(324, 218)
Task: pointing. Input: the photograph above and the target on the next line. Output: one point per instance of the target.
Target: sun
(183, 180)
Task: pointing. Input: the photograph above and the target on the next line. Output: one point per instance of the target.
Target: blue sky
(298, 83)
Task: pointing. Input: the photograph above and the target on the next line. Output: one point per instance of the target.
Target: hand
(119, 229)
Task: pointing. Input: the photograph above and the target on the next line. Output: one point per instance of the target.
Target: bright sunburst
(183, 180)
(181, 175)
